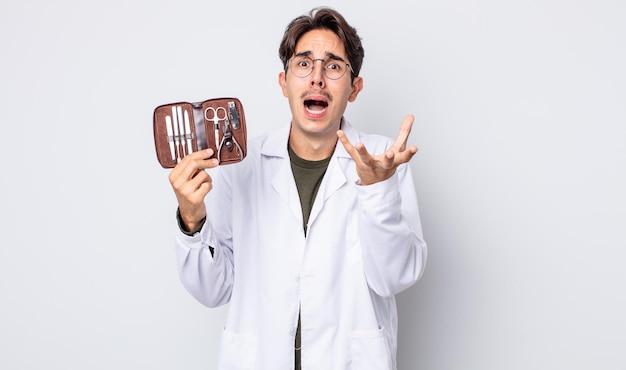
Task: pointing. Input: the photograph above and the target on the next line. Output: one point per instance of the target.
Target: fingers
(358, 152)
(346, 143)
(403, 135)
(405, 155)
(193, 162)
(402, 153)
(188, 178)
(397, 154)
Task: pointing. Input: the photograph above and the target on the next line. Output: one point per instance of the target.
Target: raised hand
(375, 168)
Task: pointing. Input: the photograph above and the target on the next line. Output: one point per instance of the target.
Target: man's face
(317, 102)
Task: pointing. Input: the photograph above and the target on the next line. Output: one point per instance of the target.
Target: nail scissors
(216, 121)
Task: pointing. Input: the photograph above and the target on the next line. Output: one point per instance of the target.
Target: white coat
(364, 244)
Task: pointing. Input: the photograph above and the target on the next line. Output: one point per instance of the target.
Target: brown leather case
(182, 128)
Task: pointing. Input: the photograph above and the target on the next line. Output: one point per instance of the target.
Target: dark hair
(328, 19)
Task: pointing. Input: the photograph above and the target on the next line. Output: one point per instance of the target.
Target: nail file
(170, 136)
(176, 134)
(181, 128)
(188, 131)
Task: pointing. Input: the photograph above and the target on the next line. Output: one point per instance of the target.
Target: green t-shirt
(308, 176)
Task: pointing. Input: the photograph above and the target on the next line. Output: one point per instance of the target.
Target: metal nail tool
(177, 142)
(182, 132)
(234, 116)
(170, 136)
(215, 118)
(188, 131)
(228, 140)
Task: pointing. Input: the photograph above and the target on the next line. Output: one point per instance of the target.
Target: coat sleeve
(205, 260)
(390, 233)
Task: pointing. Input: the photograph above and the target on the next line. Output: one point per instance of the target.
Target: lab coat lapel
(334, 178)
(285, 185)
(283, 182)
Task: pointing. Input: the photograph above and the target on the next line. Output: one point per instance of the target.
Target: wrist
(189, 226)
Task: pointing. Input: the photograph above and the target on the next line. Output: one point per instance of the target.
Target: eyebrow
(329, 55)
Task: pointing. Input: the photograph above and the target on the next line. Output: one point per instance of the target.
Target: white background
(520, 120)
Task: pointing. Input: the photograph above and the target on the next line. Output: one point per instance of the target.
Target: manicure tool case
(182, 128)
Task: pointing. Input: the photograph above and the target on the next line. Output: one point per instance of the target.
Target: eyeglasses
(302, 66)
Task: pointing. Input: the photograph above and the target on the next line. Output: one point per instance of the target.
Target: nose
(317, 75)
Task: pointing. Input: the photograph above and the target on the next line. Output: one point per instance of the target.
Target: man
(310, 236)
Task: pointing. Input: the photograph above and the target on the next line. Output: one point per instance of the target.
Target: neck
(313, 149)
(314, 145)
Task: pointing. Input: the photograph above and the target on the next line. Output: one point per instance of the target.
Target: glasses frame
(349, 67)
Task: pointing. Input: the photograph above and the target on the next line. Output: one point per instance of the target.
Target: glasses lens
(301, 66)
(334, 69)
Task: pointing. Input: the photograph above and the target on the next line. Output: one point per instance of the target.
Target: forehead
(321, 43)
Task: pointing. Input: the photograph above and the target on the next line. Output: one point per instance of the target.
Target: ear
(357, 86)
(283, 83)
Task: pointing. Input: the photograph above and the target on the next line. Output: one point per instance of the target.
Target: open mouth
(315, 106)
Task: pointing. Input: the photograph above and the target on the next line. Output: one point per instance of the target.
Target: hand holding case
(182, 128)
